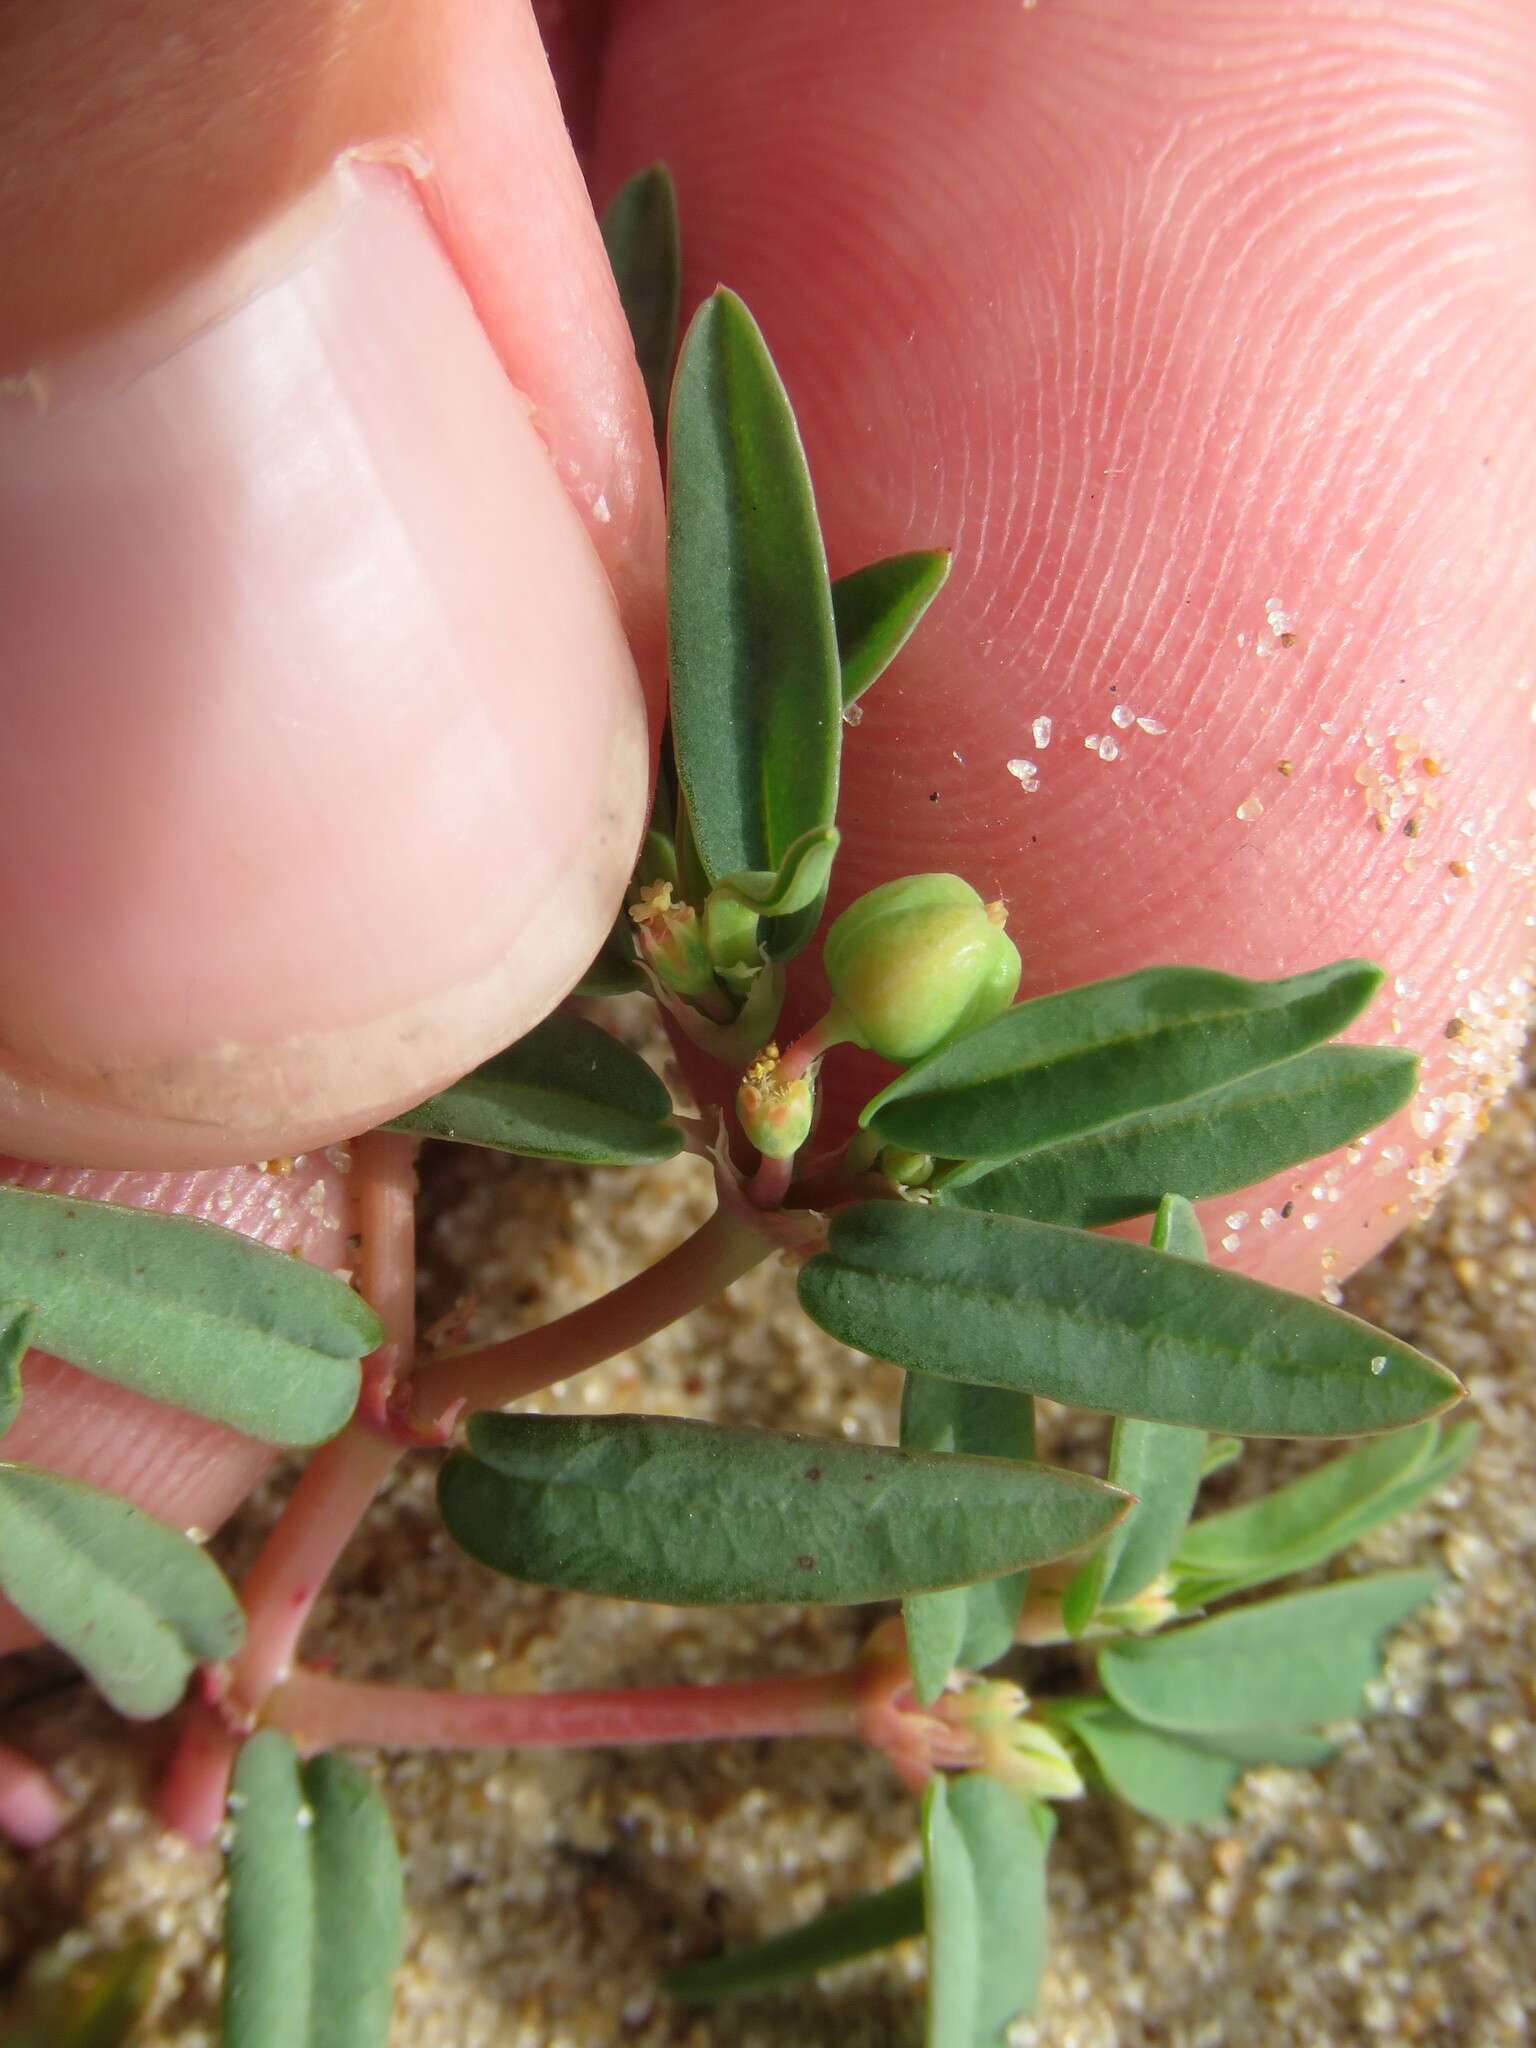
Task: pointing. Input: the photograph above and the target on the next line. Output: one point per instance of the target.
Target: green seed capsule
(919, 962)
(776, 1116)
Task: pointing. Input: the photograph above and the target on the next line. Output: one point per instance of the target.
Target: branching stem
(718, 1252)
(340, 1481)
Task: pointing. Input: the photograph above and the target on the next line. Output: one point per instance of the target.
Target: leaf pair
(1102, 1323)
(312, 1931)
(1086, 1107)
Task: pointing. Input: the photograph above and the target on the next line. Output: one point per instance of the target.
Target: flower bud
(1020, 1753)
(907, 1169)
(1150, 1609)
(670, 941)
(919, 962)
(776, 1115)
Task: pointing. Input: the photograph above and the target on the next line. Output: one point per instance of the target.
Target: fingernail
(325, 759)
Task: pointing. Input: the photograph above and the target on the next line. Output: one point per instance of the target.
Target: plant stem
(718, 1252)
(317, 1711)
(770, 1183)
(31, 1810)
(318, 1518)
(835, 1028)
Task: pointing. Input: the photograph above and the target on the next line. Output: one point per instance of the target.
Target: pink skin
(1153, 315)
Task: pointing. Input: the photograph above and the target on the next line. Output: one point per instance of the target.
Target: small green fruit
(776, 1115)
(919, 962)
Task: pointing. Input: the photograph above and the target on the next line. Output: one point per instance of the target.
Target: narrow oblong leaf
(15, 1337)
(1062, 1065)
(1218, 1143)
(877, 610)
(756, 684)
(134, 1602)
(1316, 1516)
(567, 1090)
(640, 233)
(1161, 1775)
(984, 1855)
(967, 1627)
(187, 1313)
(1158, 1463)
(654, 1508)
(1305, 1658)
(1109, 1325)
(862, 1927)
(312, 1930)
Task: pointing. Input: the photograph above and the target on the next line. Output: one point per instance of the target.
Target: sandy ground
(1390, 1896)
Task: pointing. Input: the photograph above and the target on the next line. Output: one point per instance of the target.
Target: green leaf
(1159, 1774)
(15, 1337)
(1220, 1451)
(1107, 1324)
(187, 1313)
(72, 2001)
(877, 611)
(756, 686)
(1314, 1517)
(799, 880)
(1214, 1144)
(135, 1603)
(1066, 1064)
(1297, 1748)
(640, 233)
(653, 1508)
(1159, 1464)
(312, 1931)
(984, 1852)
(568, 1090)
(1306, 1658)
(862, 1927)
(615, 971)
(968, 1627)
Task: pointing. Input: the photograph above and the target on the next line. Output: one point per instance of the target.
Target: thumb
(328, 517)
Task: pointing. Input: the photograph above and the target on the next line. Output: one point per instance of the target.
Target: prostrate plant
(950, 1233)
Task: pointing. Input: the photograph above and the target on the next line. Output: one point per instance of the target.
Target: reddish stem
(702, 1266)
(323, 1510)
(31, 1810)
(812, 1046)
(317, 1711)
(770, 1184)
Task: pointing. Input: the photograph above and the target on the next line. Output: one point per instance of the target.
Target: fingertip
(328, 754)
